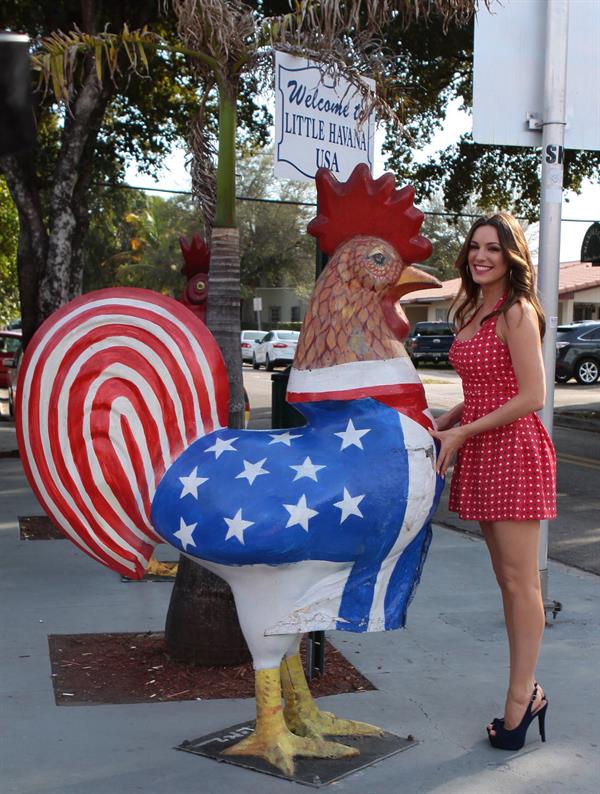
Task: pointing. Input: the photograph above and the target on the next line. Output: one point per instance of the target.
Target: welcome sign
(316, 121)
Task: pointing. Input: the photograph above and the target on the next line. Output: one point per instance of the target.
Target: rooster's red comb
(367, 206)
(196, 256)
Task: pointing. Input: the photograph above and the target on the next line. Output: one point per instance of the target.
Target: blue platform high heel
(504, 739)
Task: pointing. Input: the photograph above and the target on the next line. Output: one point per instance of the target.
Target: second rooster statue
(123, 402)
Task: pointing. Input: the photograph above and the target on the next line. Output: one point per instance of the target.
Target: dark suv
(578, 352)
(430, 342)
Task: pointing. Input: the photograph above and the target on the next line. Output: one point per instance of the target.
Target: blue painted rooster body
(337, 491)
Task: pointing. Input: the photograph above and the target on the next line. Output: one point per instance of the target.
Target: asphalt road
(574, 537)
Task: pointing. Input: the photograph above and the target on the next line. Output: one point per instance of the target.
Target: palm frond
(58, 56)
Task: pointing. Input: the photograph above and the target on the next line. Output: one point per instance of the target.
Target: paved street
(441, 385)
(574, 537)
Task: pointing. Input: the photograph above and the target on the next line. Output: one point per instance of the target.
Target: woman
(504, 476)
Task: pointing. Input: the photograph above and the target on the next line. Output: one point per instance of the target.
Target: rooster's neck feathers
(345, 321)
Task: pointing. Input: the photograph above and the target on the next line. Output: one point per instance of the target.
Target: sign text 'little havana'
(317, 122)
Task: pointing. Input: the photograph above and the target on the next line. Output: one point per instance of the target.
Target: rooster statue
(122, 409)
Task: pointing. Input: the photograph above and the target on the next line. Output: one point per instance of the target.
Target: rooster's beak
(413, 279)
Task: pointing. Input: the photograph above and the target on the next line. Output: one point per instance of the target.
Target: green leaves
(9, 235)
(60, 56)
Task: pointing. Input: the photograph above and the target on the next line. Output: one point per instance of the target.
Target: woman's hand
(451, 441)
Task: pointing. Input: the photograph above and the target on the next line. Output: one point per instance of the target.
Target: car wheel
(268, 364)
(587, 371)
(255, 364)
(562, 378)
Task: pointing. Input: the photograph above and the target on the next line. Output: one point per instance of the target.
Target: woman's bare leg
(513, 547)
(495, 556)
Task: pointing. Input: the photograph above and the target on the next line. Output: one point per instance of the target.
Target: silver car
(277, 347)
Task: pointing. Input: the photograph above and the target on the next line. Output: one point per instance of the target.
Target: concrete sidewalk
(441, 680)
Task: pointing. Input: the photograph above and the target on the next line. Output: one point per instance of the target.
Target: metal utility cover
(314, 772)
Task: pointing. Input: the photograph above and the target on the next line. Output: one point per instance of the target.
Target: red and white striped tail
(112, 388)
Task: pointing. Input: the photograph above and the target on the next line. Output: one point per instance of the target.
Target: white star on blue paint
(349, 506)
(252, 471)
(237, 526)
(191, 483)
(351, 436)
(282, 438)
(307, 469)
(300, 513)
(222, 445)
(184, 534)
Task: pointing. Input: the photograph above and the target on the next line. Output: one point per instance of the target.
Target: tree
(9, 233)
(432, 64)
(103, 99)
(275, 249)
(110, 116)
(447, 234)
(133, 240)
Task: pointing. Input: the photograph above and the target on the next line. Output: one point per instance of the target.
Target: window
(295, 315)
(583, 311)
(9, 344)
(440, 315)
(591, 335)
(274, 314)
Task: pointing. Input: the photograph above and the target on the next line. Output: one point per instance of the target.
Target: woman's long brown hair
(521, 280)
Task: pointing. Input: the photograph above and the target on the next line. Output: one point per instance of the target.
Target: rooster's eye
(378, 258)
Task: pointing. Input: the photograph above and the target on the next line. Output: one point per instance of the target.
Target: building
(280, 307)
(578, 297)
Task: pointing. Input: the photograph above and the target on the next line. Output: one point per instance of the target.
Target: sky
(174, 176)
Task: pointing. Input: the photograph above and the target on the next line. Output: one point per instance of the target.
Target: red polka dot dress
(508, 473)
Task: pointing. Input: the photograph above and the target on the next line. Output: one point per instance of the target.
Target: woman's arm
(450, 418)
(519, 329)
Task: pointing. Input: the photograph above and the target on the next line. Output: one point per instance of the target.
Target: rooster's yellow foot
(301, 713)
(156, 568)
(280, 748)
(272, 740)
(324, 723)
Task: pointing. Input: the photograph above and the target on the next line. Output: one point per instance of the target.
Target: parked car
(430, 341)
(10, 348)
(248, 339)
(578, 352)
(277, 347)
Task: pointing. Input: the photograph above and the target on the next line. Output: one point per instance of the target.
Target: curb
(576, 422)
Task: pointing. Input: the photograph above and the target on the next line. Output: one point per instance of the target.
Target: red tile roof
(574, 277)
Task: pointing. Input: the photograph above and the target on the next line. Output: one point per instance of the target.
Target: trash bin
(282, 413)
(285, 415)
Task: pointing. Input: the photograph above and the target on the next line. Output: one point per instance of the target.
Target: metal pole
(553, 133)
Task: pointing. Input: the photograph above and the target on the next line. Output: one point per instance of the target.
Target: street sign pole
(553, 134)
(257, 305)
